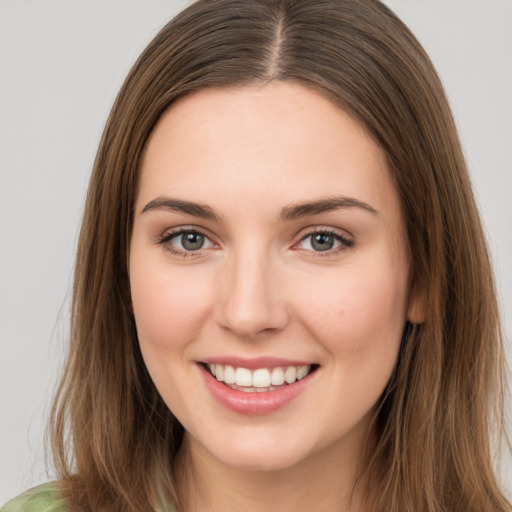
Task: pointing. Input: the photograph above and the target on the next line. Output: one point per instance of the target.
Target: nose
(251, 301)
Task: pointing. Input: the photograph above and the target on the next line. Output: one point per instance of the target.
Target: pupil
(322, 242)
(192, 241)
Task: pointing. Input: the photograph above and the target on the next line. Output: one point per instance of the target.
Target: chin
(262, 460)
(259, 451)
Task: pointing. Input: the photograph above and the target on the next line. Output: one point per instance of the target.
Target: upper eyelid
(346, 241)
(171, 232)
(310, 230)
(301, 235)
(165, 238)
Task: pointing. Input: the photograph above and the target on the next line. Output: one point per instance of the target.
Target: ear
(416, 308)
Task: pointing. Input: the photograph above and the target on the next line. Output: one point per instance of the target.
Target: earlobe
(416, 309)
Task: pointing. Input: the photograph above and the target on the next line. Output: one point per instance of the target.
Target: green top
(44, 498)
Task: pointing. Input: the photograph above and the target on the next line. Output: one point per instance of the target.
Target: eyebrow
(290, 212)
(178, 205)
(323, 206)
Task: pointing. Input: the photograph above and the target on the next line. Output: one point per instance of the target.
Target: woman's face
(268, 249)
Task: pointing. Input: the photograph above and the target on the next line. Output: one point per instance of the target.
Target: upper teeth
(260, 378)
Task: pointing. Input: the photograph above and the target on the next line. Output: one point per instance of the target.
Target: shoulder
(47, 498)
(44, 498)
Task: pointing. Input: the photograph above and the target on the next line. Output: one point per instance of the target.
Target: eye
(186, 241)
(190, 241)
(324, 241)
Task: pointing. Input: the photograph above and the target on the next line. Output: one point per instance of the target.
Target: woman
(283, 297)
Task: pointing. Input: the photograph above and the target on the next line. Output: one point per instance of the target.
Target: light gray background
(61, 64)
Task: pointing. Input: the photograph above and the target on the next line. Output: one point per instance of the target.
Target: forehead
(273, 144)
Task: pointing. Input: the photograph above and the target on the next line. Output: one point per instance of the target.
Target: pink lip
(254, 363)
(255, 403)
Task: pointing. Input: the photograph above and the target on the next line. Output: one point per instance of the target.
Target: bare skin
(267, 226)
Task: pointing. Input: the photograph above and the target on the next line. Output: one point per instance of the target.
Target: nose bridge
(251, 302)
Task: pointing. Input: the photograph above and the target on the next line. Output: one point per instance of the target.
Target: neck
(327, 481)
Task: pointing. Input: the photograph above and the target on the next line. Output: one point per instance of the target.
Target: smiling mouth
(258, 380)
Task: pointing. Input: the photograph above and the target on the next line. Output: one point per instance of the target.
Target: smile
(260, 379)
(265, 387)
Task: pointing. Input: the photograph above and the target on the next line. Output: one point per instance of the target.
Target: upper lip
(255, 363)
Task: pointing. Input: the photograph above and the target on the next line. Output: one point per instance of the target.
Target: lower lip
(254, 403)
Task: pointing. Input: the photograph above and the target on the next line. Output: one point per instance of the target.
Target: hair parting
(430, 451)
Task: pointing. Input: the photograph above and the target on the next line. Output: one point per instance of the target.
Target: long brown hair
(114, 439)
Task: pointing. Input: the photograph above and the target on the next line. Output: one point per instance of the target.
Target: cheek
(168, 306)
(358, 318)
(358, 313)
(169, 309)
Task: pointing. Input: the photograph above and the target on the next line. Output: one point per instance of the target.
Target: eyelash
(345, 242)
(168, 236)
